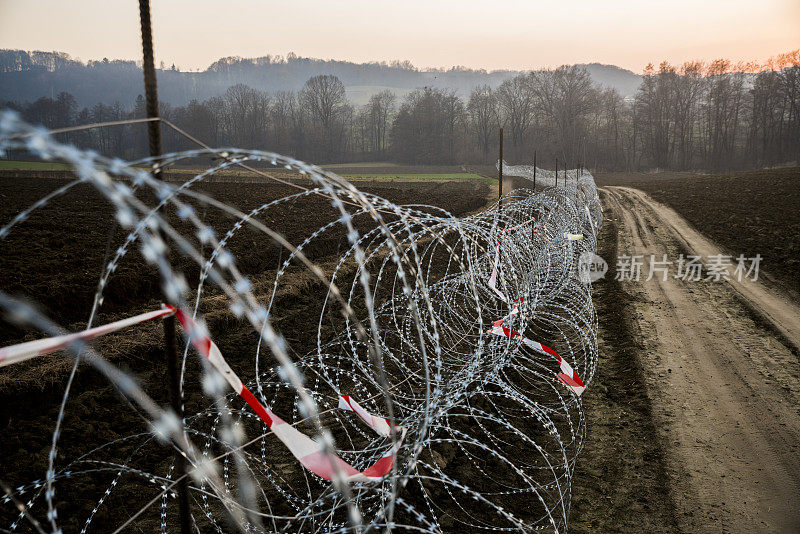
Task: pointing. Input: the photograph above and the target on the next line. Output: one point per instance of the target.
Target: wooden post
(500, 173)
(556, 171)
(170, 347)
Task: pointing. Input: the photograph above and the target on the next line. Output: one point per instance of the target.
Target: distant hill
(26, 76)
(623, 80)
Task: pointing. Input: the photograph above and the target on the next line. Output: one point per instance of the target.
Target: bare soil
(720, 371)
(693, 419)
(620, 482)
(751, 212)
(55, 258)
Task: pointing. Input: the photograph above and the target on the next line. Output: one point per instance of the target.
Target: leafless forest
(715, 116)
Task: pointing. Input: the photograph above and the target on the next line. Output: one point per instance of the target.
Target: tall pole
(170, 347)
(533, 226)
(556, 171)
(150, 84)
(583, 159)
(500, 173)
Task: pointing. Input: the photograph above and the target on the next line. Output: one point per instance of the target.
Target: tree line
(715, 116)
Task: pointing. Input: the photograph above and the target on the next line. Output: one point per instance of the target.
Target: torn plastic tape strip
(381, 425)
(514, 311)
(307, 451)
(493, 277)
(40, 347)
(567, 375)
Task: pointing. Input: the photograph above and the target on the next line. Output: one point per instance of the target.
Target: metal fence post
(170, 347)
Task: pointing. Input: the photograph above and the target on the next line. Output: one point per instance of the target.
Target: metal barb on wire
(434, 364)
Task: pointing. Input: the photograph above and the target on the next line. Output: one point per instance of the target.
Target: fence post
(556, 171)
(534, 169)
(500, 173)
(170, 348)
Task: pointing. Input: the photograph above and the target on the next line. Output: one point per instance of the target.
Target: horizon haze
(192, 35)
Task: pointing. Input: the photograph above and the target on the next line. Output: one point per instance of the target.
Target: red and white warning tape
(493, 277)
(39, 347)
(307, 451)
(567, 375)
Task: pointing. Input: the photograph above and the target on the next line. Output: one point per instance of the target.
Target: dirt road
(723, 376)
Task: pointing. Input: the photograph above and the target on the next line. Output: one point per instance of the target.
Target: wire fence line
(567, 178)
(450, 356)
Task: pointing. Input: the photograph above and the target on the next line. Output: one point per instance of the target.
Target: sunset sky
(515, 34)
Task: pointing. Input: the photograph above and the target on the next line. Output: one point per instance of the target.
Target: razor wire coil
(493, 434)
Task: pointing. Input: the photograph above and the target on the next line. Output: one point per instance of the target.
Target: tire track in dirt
(771, 304)
(723, 385)
(620, 482)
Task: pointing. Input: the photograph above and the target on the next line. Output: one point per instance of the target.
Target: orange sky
(516, 34)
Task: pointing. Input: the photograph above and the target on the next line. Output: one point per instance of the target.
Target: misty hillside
(26, 76)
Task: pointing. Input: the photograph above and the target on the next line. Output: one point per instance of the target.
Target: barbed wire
(568, 178)
(427, 319)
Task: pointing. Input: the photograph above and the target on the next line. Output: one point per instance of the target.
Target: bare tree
(323, 98)
(686, 93)
(564, 96)
(723, 103)
(426, 127)
(379, 112)
(281, 111)
(484, 117)
(516, 103)
(246, 113)
(653, 112)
